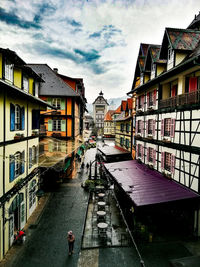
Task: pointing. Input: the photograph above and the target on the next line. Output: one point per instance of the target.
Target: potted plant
(18, 136)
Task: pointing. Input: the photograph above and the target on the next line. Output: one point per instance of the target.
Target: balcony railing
(180, 100)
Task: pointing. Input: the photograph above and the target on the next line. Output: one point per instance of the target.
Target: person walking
(71, 240)
(87, 166)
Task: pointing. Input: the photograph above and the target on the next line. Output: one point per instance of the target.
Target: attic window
(170, 55)
(9, 70)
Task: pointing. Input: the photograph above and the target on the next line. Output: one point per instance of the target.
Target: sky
(97, 40)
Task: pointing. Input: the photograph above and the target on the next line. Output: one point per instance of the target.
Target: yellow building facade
(19, 145)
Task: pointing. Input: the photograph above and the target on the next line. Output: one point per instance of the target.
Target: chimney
(55, 70)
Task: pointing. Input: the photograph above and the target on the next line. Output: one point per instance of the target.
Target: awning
(79, 152)
(67, 164)
(145, 186)
(82, 146)
(113, 154)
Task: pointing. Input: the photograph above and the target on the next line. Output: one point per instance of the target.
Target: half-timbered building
(167, 127)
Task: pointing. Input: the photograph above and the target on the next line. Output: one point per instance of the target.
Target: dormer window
(170, 58)
(25, 83)
(141, 79)
(9, 70)
(153, 70)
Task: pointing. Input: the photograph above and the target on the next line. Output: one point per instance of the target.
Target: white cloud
(69, 24)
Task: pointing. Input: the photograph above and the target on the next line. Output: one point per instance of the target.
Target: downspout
(4, 139)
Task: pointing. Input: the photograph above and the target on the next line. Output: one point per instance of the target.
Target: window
(9, 70)
(16, 117)
(56, 125)
(140, 104)
(127, 143)
(140, 126)
(122, 127)
(151, 154)
(174, 90)
(35, 119)
(56, 102)
(121, 141)
(153, 70)
(32, 155)
(16, 165)
(150, 127)
(25, 83)
(150, 102)
(127, 127)
(170, 56)
(167, 161)
(167, 127)
(140, 151)
(141, 79)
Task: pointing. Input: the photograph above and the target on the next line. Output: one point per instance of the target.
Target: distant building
(109, 127)
(67, 95)
(123, 132)
(88, 122)
(100, 107)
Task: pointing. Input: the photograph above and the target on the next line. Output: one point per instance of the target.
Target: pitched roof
(179, 39)
(108, 116)
(130, 103)
(182, 39)
(118, 110)
(195, 23)
(54, 85)
(123, 105)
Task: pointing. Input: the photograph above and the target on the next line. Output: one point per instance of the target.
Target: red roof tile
(130, 103)
(123, 105)
(108, 116)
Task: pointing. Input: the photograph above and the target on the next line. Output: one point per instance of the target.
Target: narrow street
(47, 244)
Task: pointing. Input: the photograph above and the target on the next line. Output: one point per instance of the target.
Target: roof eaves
(165, 74)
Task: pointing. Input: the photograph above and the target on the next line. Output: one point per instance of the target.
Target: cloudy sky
(97, 40)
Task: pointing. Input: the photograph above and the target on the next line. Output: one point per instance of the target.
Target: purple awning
(145, 186)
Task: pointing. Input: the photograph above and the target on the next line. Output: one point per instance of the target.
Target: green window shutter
(62, 104)
(63, 125)
(49, 125)
(49, 101)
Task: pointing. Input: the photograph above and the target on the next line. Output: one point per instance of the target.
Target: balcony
(181, 100)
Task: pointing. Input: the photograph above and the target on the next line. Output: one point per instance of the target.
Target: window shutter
(142, 152)
(172, 128)
(30, 157)
(147, 125)
(63, 125)
(147, 99)
(22, 161)
(162, 127)
(154, 156)
(142, 101)
(154, 97)
(12, 117)
(62, 104)
(154, 127)
(137, 102)
(12, 168)
(147, 154)
(193, 84)
(136, 128)
(49, 125)
(162, 160)
(137, 152)
(172, 163)
(22, 118)
(142, 127)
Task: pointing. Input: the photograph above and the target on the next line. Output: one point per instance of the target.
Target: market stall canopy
(145, 186)
(111, 154)
(53, 151)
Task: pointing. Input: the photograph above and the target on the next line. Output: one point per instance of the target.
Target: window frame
(167, 162)
(57, 126)
(167, 127)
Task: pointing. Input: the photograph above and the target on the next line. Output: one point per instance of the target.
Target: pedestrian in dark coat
(71, 240)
